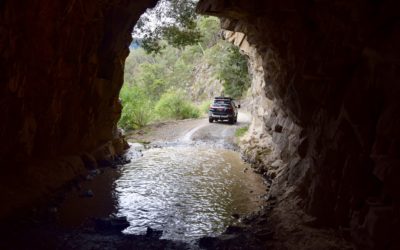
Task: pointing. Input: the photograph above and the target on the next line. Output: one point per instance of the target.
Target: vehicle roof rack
(223, 97)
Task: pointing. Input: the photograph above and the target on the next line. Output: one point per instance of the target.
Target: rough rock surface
(326, 122)
(61, 69)
(204, 84)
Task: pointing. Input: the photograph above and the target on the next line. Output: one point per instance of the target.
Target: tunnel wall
(330, 136)
(61, 69)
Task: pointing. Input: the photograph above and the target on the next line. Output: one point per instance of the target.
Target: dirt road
(191, 130)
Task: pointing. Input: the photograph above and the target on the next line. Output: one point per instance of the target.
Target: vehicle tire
(235, 121)
(231, 121)
(210, 120)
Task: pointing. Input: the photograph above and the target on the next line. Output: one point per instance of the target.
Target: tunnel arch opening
(175, 69)
(332, 68)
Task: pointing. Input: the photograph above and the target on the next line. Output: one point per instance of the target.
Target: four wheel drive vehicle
(223, 108)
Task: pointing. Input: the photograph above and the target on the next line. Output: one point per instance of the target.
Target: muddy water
(187, 191)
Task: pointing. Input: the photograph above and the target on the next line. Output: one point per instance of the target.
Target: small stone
(278, 128)
(53, 210)
(89, 161)
(153, 233)
(136, 146)
(233, 230)
(277, 163)
(89, 177)
(88, 193)
(111, 224)
(77, 186)
(95, 172)
(207, 242)
(236, 216)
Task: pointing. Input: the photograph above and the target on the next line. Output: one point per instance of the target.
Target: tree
(174, 21)
(234, 73)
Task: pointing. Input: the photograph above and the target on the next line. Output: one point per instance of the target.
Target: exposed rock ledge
(327, 110)
(270, 149)
(61, 69)
(36, 183)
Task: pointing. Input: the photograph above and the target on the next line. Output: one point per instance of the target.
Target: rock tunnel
(325, 89)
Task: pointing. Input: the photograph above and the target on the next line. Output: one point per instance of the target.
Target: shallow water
(188, 192)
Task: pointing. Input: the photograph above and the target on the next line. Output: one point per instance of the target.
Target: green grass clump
(241, 131)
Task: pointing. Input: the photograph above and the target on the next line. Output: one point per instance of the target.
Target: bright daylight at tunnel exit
(199, 124)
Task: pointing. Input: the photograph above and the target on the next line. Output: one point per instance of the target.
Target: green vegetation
(165, 85)
(137, 107)
(205, 106)
(174, 105)
(234, 73)
(241, 131)
(176, 23)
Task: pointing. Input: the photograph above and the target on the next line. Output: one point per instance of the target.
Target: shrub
(137, 108)
(205, 106)
(174, 105)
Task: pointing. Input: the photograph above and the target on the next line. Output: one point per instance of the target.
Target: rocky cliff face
(326, 124)
(204, 83)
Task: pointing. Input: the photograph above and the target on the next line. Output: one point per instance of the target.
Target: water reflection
(186, 191)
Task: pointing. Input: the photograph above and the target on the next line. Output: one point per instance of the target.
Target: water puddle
(186, 191)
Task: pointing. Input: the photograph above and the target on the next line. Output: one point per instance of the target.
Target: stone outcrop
(204, 84)
(325, 128)
(61, 69)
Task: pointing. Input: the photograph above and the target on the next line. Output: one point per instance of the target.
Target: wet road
(188, 187)
(186, 191)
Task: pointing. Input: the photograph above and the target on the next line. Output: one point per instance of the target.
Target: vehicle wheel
(210, 120)
(231, 121)
(235, 121)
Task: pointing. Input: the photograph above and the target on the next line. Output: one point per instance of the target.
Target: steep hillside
(192, 74)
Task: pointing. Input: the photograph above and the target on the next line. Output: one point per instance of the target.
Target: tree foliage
(176, 23)
(234, 73)
(160, 86)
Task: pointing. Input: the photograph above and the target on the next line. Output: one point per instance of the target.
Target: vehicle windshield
(222, 102)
